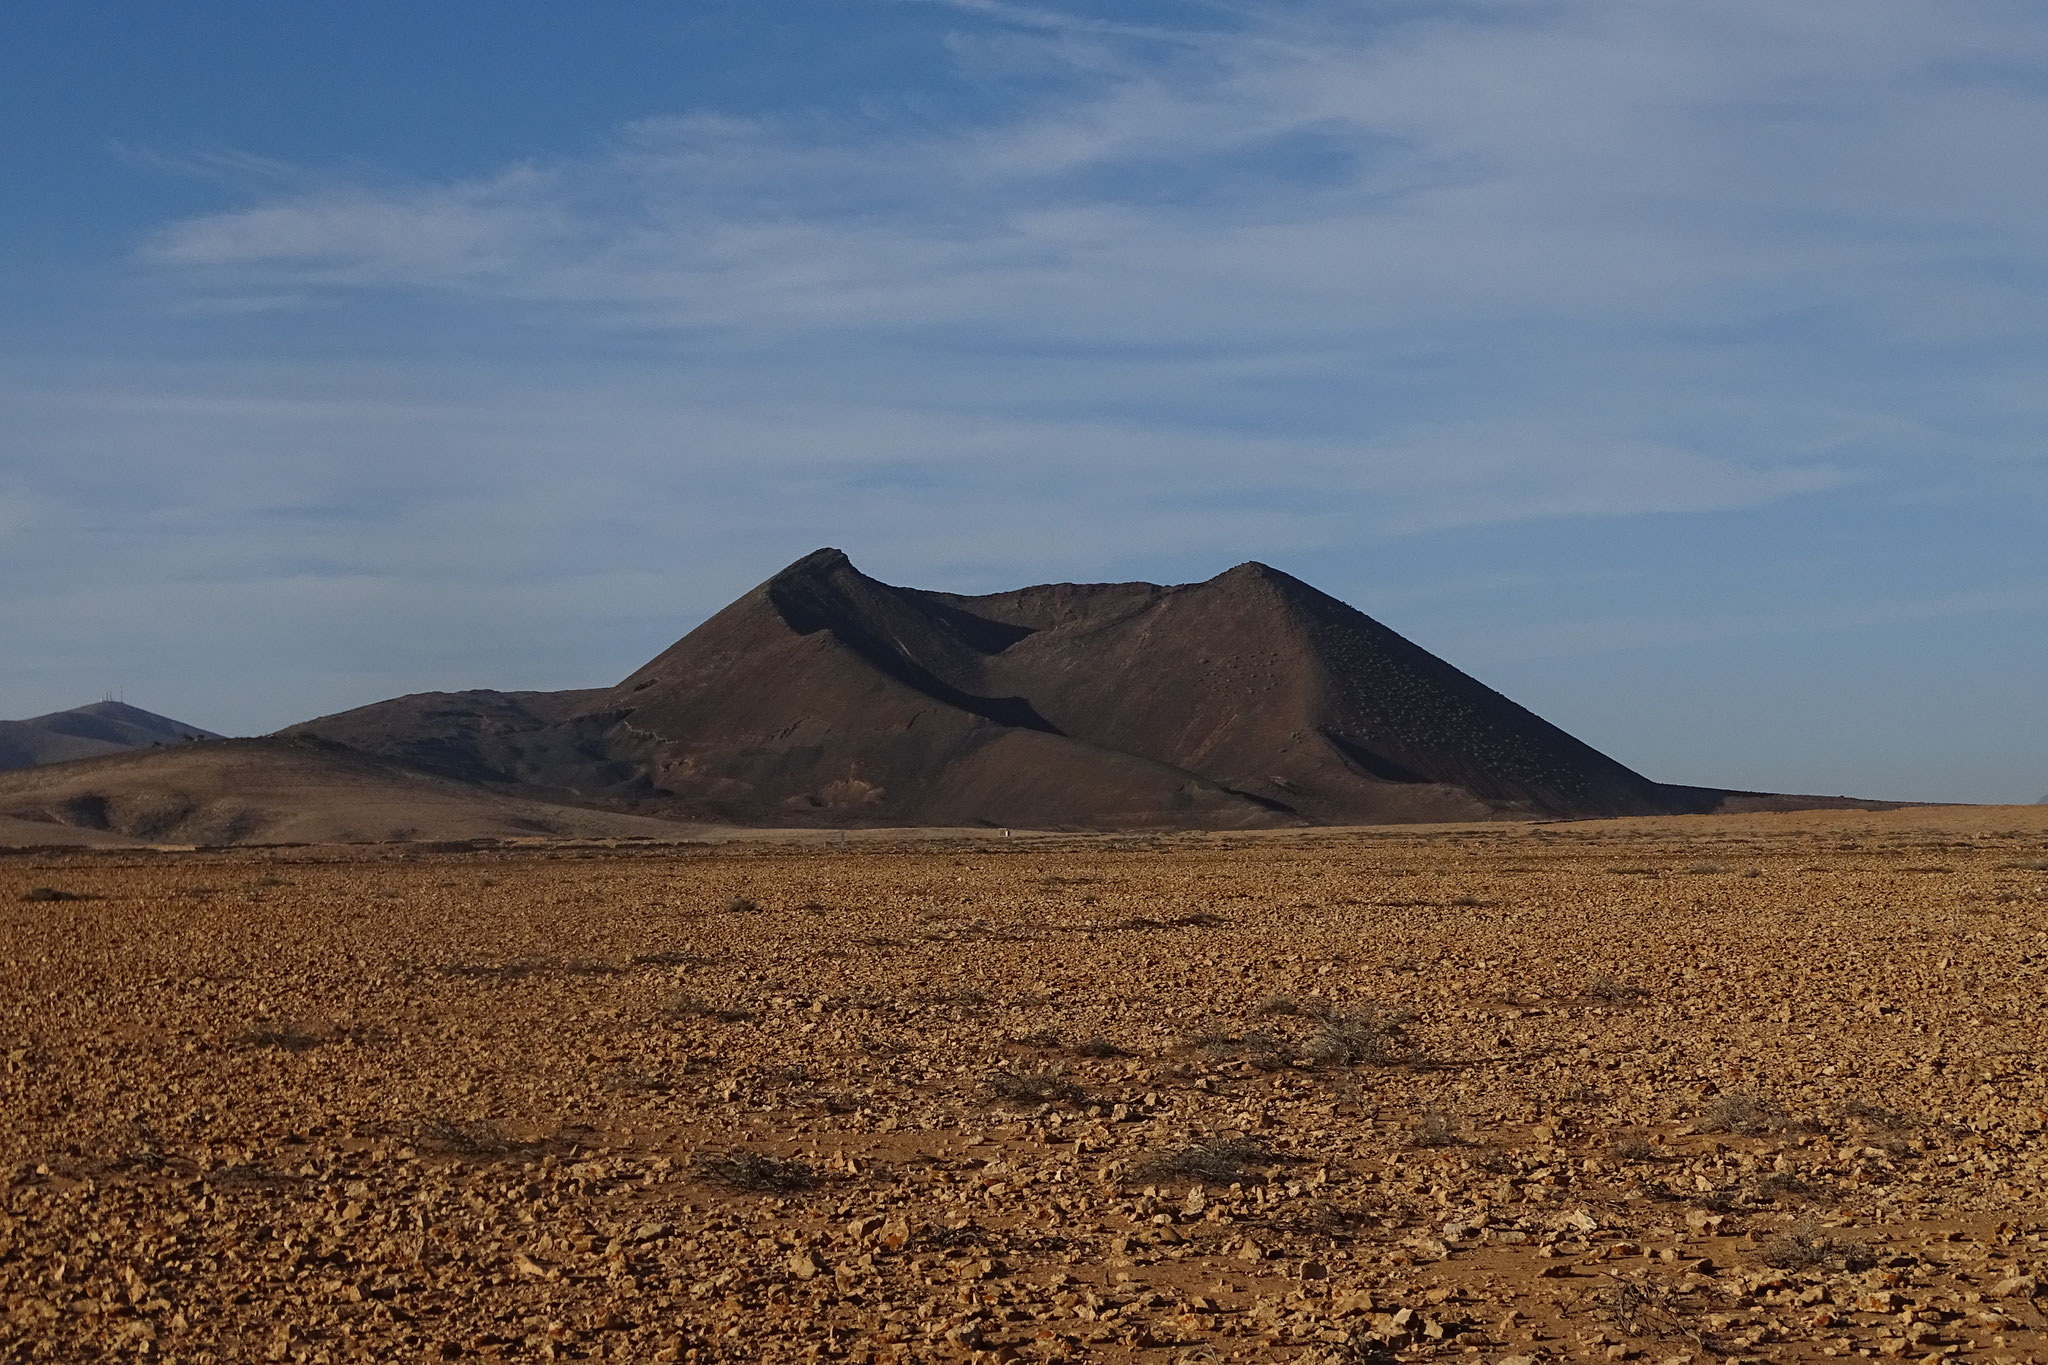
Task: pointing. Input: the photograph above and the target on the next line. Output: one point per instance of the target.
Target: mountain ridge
(95, 730)
(825, 696)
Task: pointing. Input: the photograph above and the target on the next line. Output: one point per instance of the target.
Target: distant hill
(825, 697)
(105, 727)
(277, 791)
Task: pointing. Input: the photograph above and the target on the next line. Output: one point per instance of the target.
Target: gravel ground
(1756, 1088)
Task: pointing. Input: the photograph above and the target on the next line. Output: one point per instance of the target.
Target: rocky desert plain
(1762, 1087)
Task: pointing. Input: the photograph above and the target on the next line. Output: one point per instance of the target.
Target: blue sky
(1675, 367)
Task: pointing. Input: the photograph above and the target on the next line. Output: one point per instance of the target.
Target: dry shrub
(753, 1172)
(1034, 1087)
(1746, 1115)
(1434, 1130)
(1805, 1247)
(683, 1005)
(1099, 1047)
(1632, 1147)
(1267, 1051)
(1366, 1035)
(1216, 1161)
(1200, 919)
(286, 1036)
(1875, 1116)
(469, 1137)
(148, 1153)
(1783, 1185)
(518, 969)
(967, 998)
(667, 957)
(1607, 988)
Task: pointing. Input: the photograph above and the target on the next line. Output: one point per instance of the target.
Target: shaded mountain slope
(276, 791)
(1267, 686)
(826, 697)
(533, 738)
(104, 727)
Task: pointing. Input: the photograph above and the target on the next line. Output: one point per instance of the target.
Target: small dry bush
(1805, 1247)
(1746, 1115)
(1216, 1161)
(667, 957)
(968, 998)
(1200, 919)
(148, 1152)
(1632, 1147)
(1365, 1036)
(683, 1005)
(1640, 1309)
(1034, 1087)
(516, 970)
(520, 968)
(753, 1172)
(468, 1137)
(1267, 1051)
(1099, 1047)
(947, 1236)
(1875, 1116)
(1607, 988)
(1783, 1187)
(286, 1036)
(1434, 1130)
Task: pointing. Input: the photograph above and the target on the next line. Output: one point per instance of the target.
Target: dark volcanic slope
(824, 696)
(277, 791)
(485, 736)
(1267, 686)
(105, 727)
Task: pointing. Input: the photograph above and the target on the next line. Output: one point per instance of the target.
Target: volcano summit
(825, 697)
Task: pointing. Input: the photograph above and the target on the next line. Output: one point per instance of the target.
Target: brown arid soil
(1764, 1087)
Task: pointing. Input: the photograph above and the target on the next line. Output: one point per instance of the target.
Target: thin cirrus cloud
(1636, 165)
(1434, 240)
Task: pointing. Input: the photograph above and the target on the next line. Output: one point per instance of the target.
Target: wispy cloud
(1308, 174)
(1494, 213)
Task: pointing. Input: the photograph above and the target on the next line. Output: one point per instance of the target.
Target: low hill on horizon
(92, 731)
(824, 697)
(241, 791)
